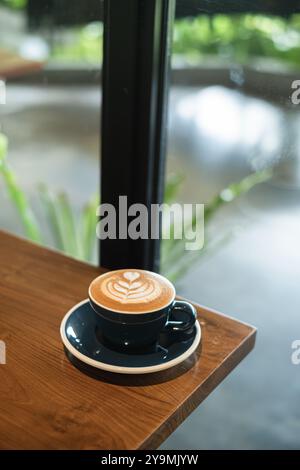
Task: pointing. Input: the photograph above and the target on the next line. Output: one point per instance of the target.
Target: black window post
(137, 38)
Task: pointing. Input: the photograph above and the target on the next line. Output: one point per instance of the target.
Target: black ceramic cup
(141, 329)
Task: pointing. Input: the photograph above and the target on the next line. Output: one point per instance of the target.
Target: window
(50, 60)
(233, 121)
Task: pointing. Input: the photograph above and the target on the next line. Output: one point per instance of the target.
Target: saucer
(81, 336)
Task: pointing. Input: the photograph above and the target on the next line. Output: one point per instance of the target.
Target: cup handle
(190, 312)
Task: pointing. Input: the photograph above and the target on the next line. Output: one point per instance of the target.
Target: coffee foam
(132, 291)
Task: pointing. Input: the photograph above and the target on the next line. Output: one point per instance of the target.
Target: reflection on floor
(254, 278)
(216, 136)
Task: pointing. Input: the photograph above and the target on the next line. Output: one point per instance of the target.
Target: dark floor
(254, 278)
(54, 135)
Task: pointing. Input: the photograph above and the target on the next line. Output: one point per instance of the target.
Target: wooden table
(46, 403)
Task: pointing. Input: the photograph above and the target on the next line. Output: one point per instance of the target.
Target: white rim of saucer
(123, 369)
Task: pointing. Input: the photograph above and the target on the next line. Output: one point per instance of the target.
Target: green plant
(86, 45)
(238, 37)
(175, 260)
(15, 4)
(17, 196)
(76, 236)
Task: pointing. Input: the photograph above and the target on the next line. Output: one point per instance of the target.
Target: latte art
(130, 287)
(132, 291)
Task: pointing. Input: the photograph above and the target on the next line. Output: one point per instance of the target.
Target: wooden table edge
(217, 312)
(50, 250)
(161, 433)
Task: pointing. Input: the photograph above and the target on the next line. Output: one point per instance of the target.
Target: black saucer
(82, 339)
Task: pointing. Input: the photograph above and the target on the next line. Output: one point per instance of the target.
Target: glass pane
(234, 145)
(50, 62)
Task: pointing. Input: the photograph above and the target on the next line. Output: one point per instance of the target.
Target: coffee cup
(135, 306)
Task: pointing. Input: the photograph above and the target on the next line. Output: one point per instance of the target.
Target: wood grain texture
(47, 403)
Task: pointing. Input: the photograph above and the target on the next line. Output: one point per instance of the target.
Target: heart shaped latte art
(131, 275)
(131, 287)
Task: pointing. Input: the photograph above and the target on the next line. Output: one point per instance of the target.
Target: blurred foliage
(175, 259)
(238, 37)
(76, 235)
(73, 235)
(15, 4)
(82, 44)
(17, 196)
